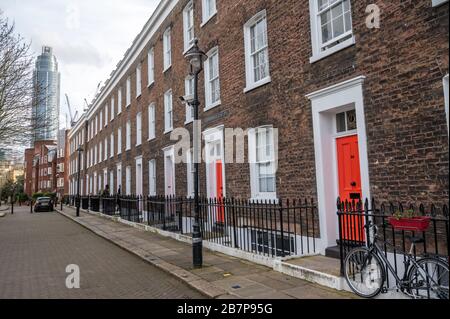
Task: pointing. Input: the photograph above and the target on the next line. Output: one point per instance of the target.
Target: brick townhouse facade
(361, 112)
(45, 166)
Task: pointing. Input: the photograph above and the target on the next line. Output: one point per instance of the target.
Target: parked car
(43, 204)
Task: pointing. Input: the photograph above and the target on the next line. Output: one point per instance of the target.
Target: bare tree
(17, 88)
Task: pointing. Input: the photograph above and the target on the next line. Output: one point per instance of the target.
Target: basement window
(270, 243)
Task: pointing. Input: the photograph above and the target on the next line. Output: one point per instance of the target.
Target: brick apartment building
(45, 166)
(360, 111)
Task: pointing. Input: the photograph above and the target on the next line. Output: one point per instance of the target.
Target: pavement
(222, 277)
(35, 250)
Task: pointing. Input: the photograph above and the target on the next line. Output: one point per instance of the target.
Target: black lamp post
(195, 57)
(79, 150)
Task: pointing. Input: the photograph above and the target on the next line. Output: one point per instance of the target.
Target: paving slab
(222, 277)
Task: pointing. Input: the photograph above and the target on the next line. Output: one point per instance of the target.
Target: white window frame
(151, 121)
(138, 80)
(189, 95)
(106, 115)
(138, 129)
(167, 49)
(188, 17)
(190, 173)
(151, 66)
(128, 136)
(251, 83)
(168, 110)
(100, 152)
(105, 178)
(128, 92)
(111, 182)
(316, 34)
(119, 140)
(152, 177)
(119, 101)
(254, 172)
(206, 15)
(112, 145)
(106, 148)
(437, 3)
(139, 182)
(214, 52)
(445, 81)
(128, 180)
(101, 121)
(112, 108)
(119, 177)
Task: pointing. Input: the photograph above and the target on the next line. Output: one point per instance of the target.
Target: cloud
(88, 37)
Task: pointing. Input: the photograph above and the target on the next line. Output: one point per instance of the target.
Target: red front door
(349, 175)
(219, 192)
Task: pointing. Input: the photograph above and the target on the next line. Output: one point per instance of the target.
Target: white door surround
(139, 189)
(169, 170)
(326, 103)
(119, 178)
(214, 150)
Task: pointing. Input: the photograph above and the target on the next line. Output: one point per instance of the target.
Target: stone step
(333, 252)
(321, 270)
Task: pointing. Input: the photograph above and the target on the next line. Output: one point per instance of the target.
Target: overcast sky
(89, 37)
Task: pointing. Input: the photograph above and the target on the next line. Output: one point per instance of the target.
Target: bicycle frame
(401, 283)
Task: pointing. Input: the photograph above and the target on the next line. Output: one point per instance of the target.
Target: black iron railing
(352, 217)
(270, 228)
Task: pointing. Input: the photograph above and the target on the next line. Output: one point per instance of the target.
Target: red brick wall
(404, 62)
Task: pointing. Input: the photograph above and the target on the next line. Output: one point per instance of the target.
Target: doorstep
(318, 269)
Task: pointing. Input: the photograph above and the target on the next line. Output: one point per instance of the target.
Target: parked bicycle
(365, 271)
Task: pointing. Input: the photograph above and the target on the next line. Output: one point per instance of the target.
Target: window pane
(351, 120)
(348, 21)
(340, 122)
(338, 26)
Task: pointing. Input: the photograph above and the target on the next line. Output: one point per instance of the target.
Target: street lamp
(79, 150)
(195, 57)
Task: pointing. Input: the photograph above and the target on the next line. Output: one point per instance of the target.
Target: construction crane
(72, 118)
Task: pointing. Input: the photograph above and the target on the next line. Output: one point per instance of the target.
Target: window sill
(336, 48)
(437, 3)
(167, 68)
(263, 198)
(258, 84)
(188, 48)
(138, 96)
(208, 19)
(128, 105)
(138, 144)
(188, 122)
(151, 139)
(168, 131)
(211, 106)
(151, 83)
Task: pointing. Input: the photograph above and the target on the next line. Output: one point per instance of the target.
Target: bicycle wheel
(364, 272)
(429, 279)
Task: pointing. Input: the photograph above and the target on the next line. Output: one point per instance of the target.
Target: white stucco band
(326, 103)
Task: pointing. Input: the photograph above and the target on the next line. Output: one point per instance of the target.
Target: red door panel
(219, 192)
(349, 175)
